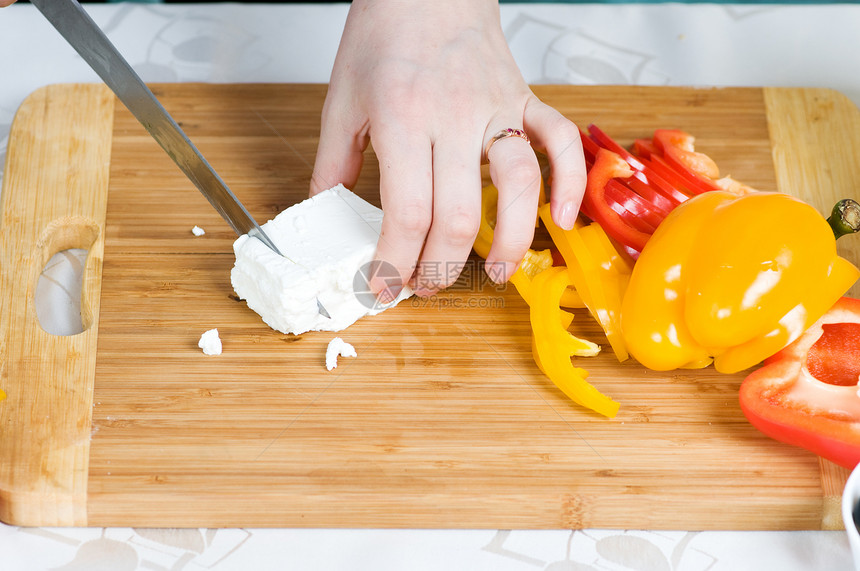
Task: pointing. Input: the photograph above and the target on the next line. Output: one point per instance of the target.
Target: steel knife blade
(84, 35)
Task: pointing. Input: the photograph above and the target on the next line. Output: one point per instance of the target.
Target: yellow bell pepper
(733, 278)
(553, 346)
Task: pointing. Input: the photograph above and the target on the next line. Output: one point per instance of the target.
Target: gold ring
(504, 134)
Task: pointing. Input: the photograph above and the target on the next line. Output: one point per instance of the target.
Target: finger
(456, 216)
(515, 171)
(341, 148)
(406, 192)
(559, 138)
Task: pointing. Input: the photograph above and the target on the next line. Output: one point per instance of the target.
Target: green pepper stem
(845, 218)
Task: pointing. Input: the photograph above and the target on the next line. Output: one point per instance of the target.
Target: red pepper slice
(695, 184)
(806, 394)
(652, 194)
(646, 214)
(664, 170)
(658, 181)
(678, 148)
(661, 186)
(608, 165)
(630, 218)
(589, 147)
(607, 142)
(678, 151)
(645, 148)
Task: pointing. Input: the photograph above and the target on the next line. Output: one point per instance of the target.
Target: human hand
(4, 3)
(431, 83)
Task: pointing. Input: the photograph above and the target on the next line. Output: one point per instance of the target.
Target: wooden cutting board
(443, 420)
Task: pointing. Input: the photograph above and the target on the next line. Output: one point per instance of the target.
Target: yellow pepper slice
(585, 265)
(489, 206)
(484, 239)
(571, 299)
(543, 287)
(534, 263)
(553, 346)
(614, 275)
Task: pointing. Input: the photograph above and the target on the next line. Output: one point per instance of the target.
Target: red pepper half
(806, 395)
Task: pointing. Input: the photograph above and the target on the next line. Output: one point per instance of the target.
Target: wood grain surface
(443, 420)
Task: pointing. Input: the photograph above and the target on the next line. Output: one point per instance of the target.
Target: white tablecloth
(671, 44)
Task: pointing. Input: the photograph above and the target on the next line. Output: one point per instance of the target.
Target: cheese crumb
(337, 346)
(198, 231)
(210, 342)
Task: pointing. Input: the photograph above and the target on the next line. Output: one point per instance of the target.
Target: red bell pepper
(807, 394)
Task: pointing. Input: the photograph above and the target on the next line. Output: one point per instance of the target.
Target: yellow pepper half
(731, 278)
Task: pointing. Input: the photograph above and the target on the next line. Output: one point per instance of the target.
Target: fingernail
(499, 272)
(567, 215)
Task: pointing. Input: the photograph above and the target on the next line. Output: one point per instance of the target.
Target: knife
(84, 35)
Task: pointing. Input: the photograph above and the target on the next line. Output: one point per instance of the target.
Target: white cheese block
(325, 240)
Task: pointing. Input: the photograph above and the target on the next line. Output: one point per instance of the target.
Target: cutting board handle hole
(60, 297)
